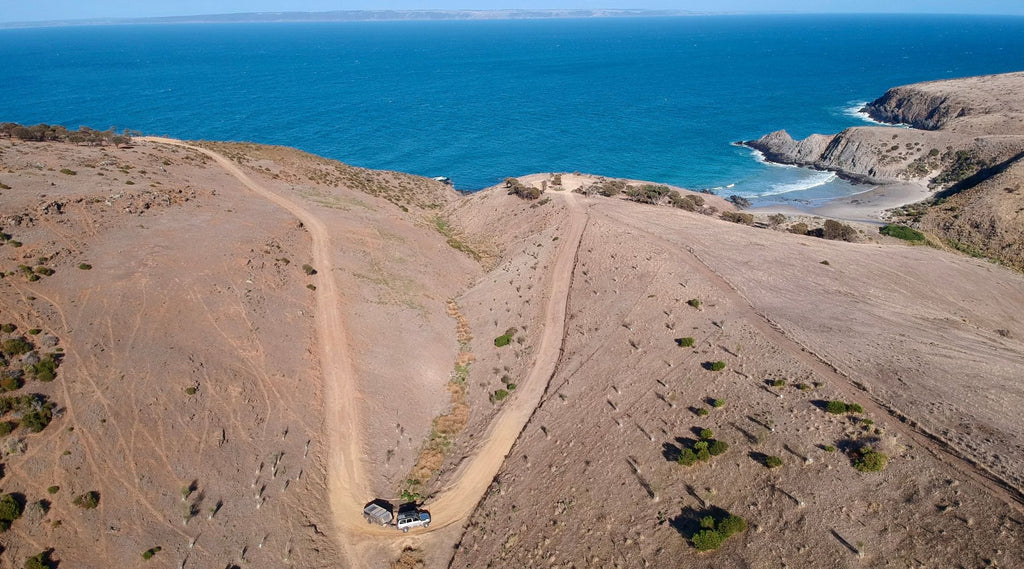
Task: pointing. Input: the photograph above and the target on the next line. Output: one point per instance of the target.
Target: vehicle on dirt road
(409, 516)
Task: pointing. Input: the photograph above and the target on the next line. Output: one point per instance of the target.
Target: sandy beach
(867, 206)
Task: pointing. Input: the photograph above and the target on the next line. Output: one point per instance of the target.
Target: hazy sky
(21, 10)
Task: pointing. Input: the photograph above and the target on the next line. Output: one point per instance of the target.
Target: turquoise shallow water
(657, 99)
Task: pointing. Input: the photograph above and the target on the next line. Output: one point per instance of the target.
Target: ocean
(658, 99)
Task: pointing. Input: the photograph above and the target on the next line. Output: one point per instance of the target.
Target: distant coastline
(359, 16)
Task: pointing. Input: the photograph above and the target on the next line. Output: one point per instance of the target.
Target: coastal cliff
(963, 138)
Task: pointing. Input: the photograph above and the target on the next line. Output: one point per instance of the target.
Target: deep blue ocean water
(655, 99)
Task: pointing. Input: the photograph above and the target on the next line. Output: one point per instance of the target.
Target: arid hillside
(216, 354)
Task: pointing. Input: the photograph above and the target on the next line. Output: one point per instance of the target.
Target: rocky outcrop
(917, 108)
(966, 141)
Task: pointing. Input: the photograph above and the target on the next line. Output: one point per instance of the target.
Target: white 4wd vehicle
(413, 519)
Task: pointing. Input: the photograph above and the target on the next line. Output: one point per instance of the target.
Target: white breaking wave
(759, 156)
(818, 179)
(857, 112)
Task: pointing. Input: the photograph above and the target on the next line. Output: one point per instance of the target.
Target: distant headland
(359, 16)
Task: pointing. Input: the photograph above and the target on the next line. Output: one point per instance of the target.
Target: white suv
(413, 519)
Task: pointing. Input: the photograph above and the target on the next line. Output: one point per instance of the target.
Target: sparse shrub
(149, 553)
(716, 366)
(718, 403)
(868, 459)
(687, 457)
(717, 447)
(40, 560)
(854, 408)
(902, 232)
(707, 522)
(7, 427)
(15, 244)
(15, 346)
(702, 412)
(308, 269)
(707, 540)
(803, 387)
(773, 461)
(737, 217)
(703, 454)
(776, 219)
(836, 407)
(498, 395)
(830, 448)
(88, 500)
(8, 328)
(798, 228)
(707, 434)
(190, 390)
(85, 266)
(68, 171)
(685, 342)
(35, 331)
(10, 382)
(53, 489)
(10, 510)
(732, 525)
(311, 286)
(836, 231)
(505, 339)
(779, 383)
(694, 302)
(37, 419)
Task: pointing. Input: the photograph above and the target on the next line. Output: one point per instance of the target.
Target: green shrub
(702, 412)
(505, 339)
(53, 489)
(694, 302)
(707, 540)
(837, 231)
(732, 525)
(836, 407)
(779, 383)
(773, 462)
(798, 228)
(88, 501)
(707, 522)
(498, 395)
(707, 434)
(40, 560)
(687, 457)
(902, 232)
(16, 244)
(149, 553)
(870, 460)
(716, 366)
(68, 171)
(46, 369)
(190, 390)
(685, 342)
(10, 510)
(35, 331)
(854, 408)
(717, 447)
(8, 328)
(308, 269)
(830, 448)
(311, 286)
(15, 346)
(803, 387)
(10, 382)
(85, 266)
(7, 427)
(703, 454)
(41, 270)
(37, 420)
(718, 403)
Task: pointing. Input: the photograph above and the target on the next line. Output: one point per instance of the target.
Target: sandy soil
(867, 206)
(291, 406)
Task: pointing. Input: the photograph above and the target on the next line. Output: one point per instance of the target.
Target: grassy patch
(902, 232)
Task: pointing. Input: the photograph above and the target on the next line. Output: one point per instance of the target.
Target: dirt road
(347, 484)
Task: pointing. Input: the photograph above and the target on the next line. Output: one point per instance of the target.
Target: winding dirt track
(348, 489)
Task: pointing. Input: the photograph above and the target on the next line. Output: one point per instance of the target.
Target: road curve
(346, 483)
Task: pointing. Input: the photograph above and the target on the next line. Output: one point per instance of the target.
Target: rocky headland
(962, 138)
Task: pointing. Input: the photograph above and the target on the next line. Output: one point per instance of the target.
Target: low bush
(868, 459)
(15, 346)
(88, 500)
(498, 395)
(717, 447)
(902, 232)
(149, 553)
(687, 457)
(830, 448)
(837, 231)
(779, 383)
(7, 427)
(694, 302)
(707, 540)
(836, 407)
(85, 266)
(505, 339)
(798, 228)
(737, 217)
(68, 171)
(772, 461)
(685, 342)
(732, 525)
(10, 510)
(308, 269)
(8, 328)
(702, 412)
(53, 489)
(707, 434)
(718, 403)
(716, 366)
(40, 560)
(10, 382)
